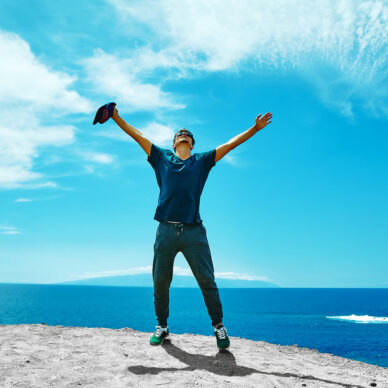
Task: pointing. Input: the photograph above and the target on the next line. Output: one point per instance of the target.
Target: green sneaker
(222, 336)
(160, 334)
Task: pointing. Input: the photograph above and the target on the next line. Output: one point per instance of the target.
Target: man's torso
(181, 183)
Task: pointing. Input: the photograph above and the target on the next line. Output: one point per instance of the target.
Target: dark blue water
(283, 316)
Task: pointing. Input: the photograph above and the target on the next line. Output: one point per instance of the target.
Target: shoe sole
(225, 347)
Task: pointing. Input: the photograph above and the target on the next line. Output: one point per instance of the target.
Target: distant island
(179, 281)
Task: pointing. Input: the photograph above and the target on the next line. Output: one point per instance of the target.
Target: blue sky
(301, 204)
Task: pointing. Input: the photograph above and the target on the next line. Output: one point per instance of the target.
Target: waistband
(177, 223)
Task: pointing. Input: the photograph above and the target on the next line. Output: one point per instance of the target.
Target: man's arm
(133, 132)
(261, 122)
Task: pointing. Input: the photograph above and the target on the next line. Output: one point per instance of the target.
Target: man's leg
(165, 250)
(197, 253)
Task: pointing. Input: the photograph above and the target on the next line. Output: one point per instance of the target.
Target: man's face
(183, 137)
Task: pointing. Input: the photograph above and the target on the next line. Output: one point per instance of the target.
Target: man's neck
(183, 152)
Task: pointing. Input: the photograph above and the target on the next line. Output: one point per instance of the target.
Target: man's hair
(183, 130)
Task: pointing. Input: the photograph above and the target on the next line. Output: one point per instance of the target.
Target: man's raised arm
(132, 131)
(261, 122)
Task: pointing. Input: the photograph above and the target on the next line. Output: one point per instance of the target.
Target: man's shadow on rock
(223, 363)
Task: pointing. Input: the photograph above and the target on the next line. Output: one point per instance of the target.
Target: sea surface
(347, 322)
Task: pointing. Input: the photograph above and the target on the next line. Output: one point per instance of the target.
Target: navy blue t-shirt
(181, 183)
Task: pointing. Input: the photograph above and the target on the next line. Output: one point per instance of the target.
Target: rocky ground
(58, 356)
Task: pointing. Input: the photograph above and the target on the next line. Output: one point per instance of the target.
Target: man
(181, 177)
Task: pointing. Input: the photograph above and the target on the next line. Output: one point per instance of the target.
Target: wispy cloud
(340, 46)
(159, 134)
(115, 134)
(27, 80)
(121, 79)
(231, 160)
(23, 200)
(96, 157)
(21, 140)
(9, 230)
(118, 272)
(177, 271)
(239, 276)
(31, 93)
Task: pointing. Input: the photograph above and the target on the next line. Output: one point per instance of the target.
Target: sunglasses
(185, 132)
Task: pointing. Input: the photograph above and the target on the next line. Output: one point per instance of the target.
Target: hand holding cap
(104, 113)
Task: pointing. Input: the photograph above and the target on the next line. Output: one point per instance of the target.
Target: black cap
(104, 113)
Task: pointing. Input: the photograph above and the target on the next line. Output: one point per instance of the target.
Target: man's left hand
(261, 122)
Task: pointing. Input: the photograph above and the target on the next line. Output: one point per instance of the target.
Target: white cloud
(339, 45)
(120, 79)
(90, 169)
(238, 276)
(157, 133)
(115, 134)
(9, 230)
(23, 200)
(21, 143)
(97, 157)
(177, 271)
(118, 272)
(26, 80)
(31, 94)
(231, 160)
(37, 185)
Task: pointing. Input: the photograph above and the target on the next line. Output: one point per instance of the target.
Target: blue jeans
(191, 240)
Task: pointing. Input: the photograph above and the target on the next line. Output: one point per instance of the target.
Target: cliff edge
(38, 355)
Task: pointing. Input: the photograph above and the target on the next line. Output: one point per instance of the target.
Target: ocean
(347, 322)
